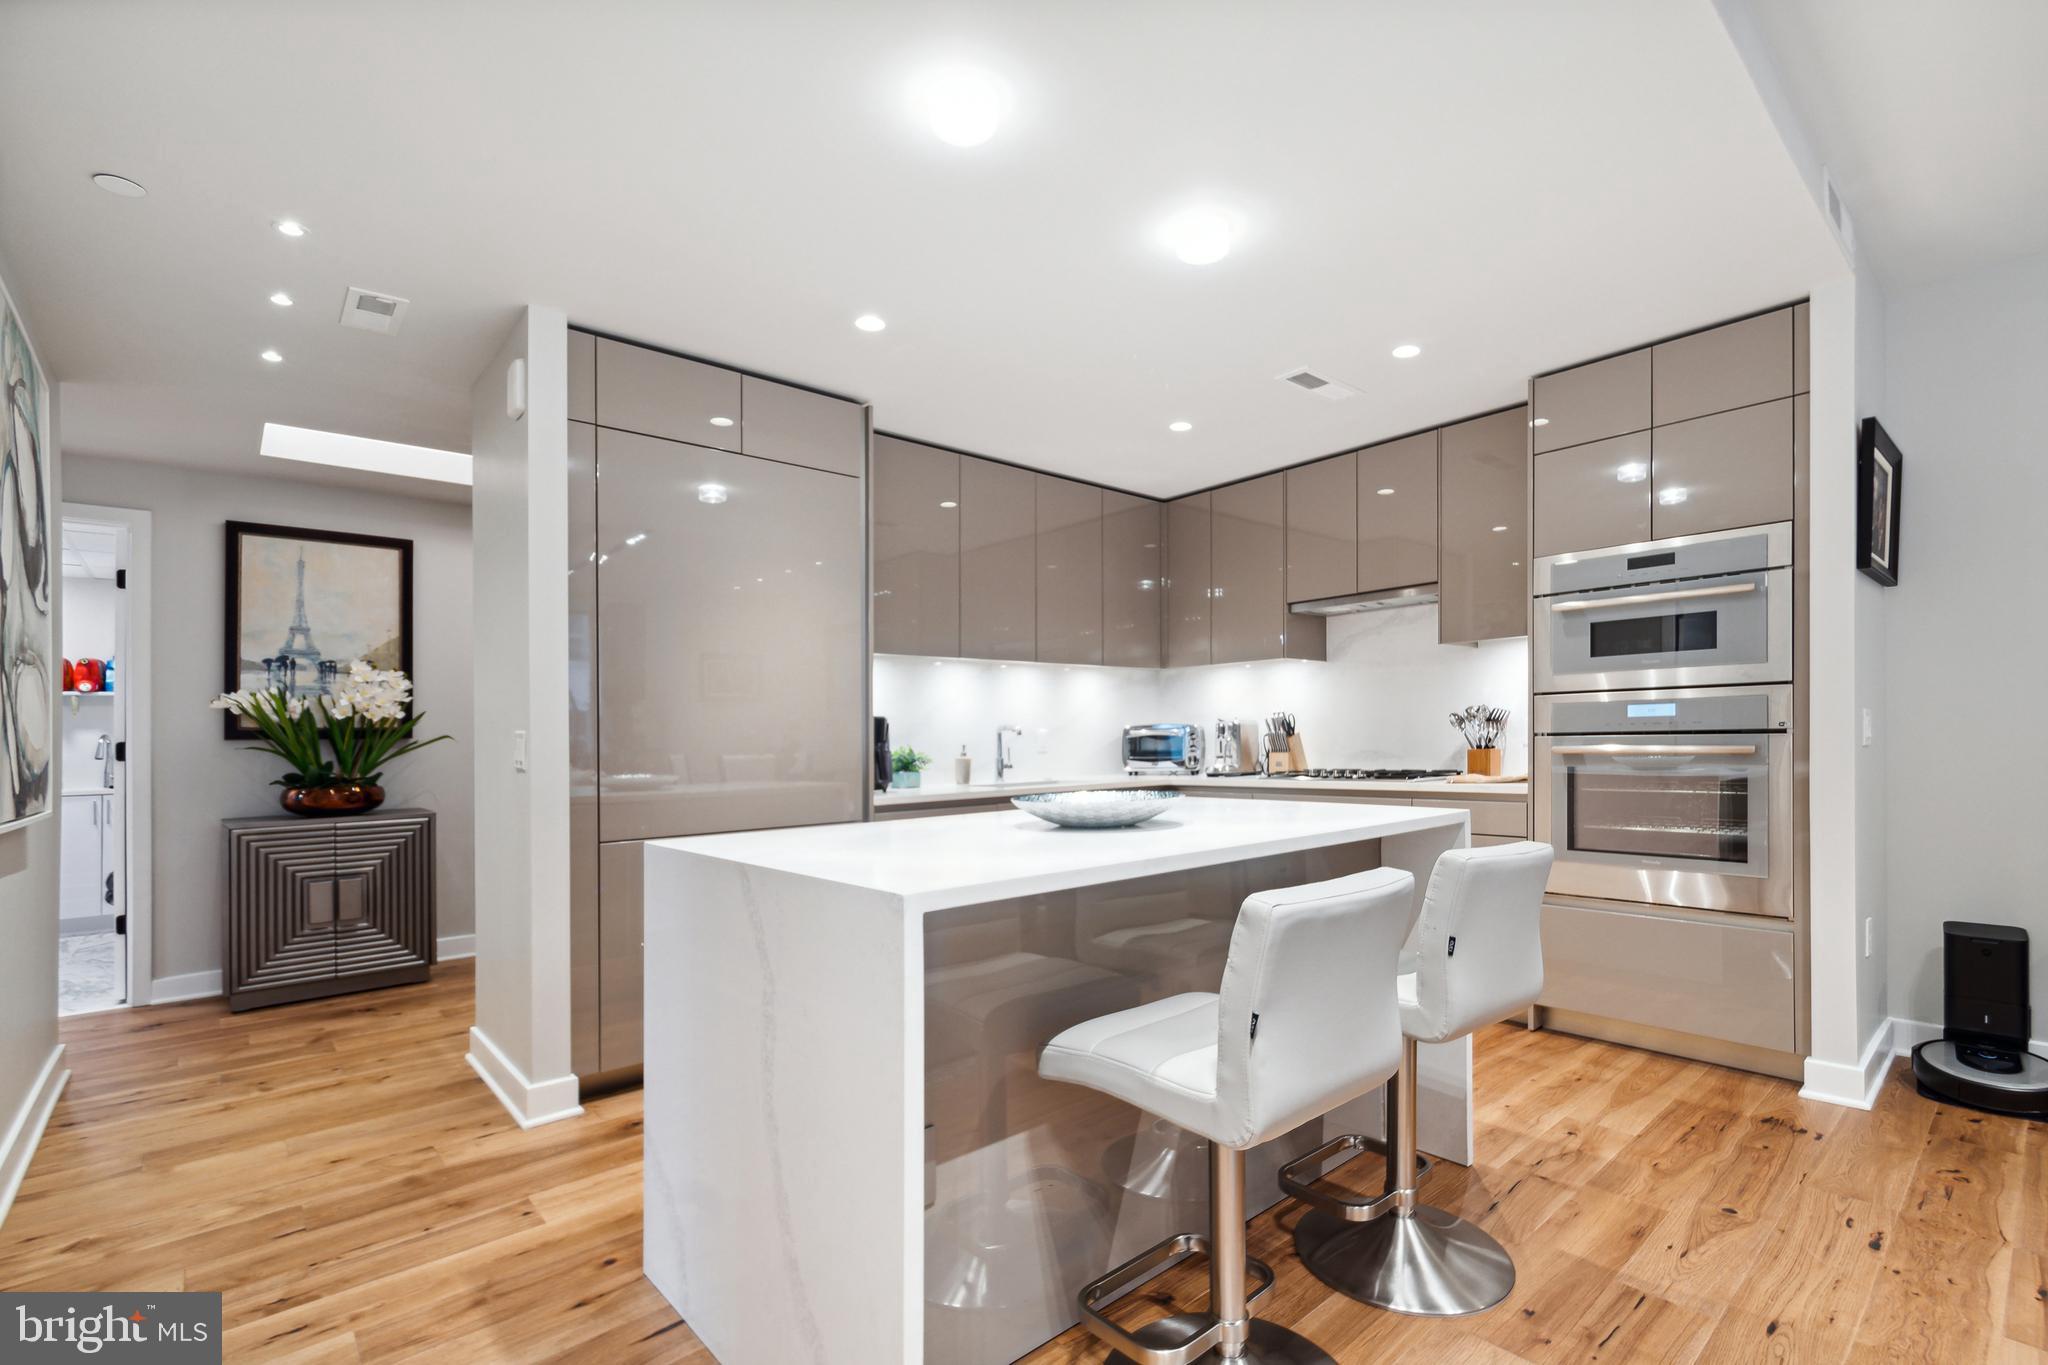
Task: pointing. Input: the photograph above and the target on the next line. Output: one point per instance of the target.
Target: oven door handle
(1657, 750)
(1646, 598)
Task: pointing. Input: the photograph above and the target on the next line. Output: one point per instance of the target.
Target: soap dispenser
(963, 768)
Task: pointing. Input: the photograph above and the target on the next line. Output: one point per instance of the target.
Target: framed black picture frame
(360, 606)
(1880, 478)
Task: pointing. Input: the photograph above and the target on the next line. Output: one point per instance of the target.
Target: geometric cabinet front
(324, 906)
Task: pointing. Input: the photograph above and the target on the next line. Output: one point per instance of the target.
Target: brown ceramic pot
(354, 799)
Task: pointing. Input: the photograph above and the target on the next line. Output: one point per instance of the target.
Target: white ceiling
(1933, 119)
(1512, 186)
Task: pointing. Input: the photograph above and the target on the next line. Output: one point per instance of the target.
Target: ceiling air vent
(371, 311)
(1322, 386)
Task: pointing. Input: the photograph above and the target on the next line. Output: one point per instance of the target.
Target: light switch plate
(1868, 729)
(515, 389)
(519, 751)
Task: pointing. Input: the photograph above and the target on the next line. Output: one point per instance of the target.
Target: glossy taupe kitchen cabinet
(731, 673)
(1725, 367)
(1133, 574)
(1397, 513)
(915, 490)
(659, 394)
(583, 847)
(1189, 639)
(1593, 495)
(1248, 616)
(1069, 571)
(1731, 469)
(1484, 526)
(1802, 345)
(1592, 402)
(582, 377)
(621, 957)
(998, 561)
(797, 426)
(1322, 529)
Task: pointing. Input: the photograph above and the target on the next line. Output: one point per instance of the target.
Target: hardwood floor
(339, 1174)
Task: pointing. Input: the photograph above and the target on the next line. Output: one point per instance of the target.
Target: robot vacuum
(1981, 1060)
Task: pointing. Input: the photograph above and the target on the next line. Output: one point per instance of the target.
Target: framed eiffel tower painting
(302, 604)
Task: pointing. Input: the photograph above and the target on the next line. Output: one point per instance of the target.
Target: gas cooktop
(1366, 775)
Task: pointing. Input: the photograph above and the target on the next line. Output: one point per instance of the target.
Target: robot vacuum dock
(1981, 1060)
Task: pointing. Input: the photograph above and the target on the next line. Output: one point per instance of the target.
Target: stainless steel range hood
(1416, 595)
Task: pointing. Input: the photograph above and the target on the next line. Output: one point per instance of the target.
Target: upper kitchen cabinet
(1724, 367)
(998, 573)
(1133, 556)
(916, 495)
(1802, 342)
(1592, 402)
(1397, 513)
(797, 426)
(582, 377)
(1069, 571)
(1593, 495)
(1484, 528)
(1189, 581)
(1731, 469)
(658, 394)
(1322, 529)
(1248, 614)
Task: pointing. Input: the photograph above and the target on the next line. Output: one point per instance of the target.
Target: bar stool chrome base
(1270, 1344)
(1428, 1262)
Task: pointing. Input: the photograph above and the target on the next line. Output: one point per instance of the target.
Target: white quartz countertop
(949, 860)
(996, 791)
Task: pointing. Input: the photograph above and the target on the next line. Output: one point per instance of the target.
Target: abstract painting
(28, 711)
(302, 604)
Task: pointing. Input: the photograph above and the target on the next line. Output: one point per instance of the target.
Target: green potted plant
(906, 767)
(363, 724)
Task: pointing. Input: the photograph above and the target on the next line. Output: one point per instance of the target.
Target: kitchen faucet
(1003, 763)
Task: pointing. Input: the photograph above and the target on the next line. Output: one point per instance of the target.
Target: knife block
(1292, 759)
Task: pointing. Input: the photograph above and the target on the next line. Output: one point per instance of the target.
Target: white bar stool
(1476, 956)
(1306, 1020)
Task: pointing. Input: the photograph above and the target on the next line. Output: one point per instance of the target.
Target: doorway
(102, 944)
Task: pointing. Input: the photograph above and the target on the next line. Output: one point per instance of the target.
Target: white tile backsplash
(1383, 699)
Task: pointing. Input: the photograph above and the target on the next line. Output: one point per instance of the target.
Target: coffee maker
(1231, 754)
(882, 773)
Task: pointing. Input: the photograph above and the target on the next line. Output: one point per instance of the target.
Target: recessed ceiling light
(273, 357)
(1540, 422)
(1671, 497)
(721, 421)
(712, 493)
(962, 105)
(1633, 472)
(1200, 235)
(949, 504)
(281, 299)
(359, 452)
(1180, 426)
(1384, 492)
(869, 322)
(118, 184)
(1407, 351)
(291, 227)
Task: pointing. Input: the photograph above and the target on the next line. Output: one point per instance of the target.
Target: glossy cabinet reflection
(1485, 528)
(1069, 553)
(1731, 469)
(1731, 366)
(621, 956)
(582, 377)
(1189, 581)
(1592, 402)
(1248, 612)
(797, 426)
(667, 395)
(730, 665)
(1133, 559)
(1322, 529)
(998, 575)
(916, 496)
(1396, 497)
(1593, 495)
(583, 852)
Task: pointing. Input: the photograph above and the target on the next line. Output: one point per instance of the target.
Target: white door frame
(131, 692)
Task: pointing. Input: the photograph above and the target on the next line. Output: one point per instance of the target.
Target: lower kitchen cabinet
(1484, 527)
(1248, 616)
(326, 907)
(1189, 581)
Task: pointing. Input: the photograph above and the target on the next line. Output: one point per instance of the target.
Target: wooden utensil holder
(1484, 762)
(1292, 759)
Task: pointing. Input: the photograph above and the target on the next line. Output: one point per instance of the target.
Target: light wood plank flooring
(341, 1176)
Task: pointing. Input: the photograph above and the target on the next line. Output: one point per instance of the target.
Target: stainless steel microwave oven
(1167, 747)
(1691, 611)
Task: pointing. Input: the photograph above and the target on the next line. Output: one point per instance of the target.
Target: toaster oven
(1165, 748)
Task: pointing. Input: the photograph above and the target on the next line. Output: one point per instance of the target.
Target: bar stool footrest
(1298, 1178)
(1179, 1339)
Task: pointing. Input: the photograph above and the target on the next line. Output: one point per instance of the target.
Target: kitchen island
(849, 1153)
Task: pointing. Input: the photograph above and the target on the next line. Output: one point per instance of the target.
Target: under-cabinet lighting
(360, 452)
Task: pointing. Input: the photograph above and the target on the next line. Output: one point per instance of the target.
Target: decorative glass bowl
(1096, 809)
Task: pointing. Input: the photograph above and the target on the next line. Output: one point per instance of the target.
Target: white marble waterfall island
(850, 1155)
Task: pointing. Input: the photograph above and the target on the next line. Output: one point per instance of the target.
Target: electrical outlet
(519, 751)
(1868, 728)
(1869, 928)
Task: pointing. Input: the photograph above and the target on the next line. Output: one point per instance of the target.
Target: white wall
(1966, 828)
(201, 778)
(1382, 700)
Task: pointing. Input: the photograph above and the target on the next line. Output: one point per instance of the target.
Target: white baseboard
(1908, 1034)
(169, 990)
(530, 1103)
(451, 947)
(1852, 1087)
(18, 1143)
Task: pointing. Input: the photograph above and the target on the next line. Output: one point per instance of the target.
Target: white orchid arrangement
(364, 723)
